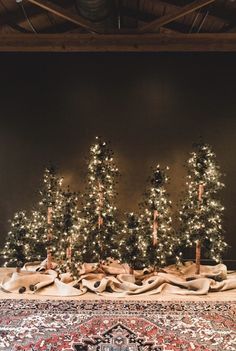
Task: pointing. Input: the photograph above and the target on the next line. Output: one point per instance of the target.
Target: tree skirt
(33, 325)
(114, 279)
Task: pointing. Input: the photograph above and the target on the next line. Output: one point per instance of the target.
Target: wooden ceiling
(117, 25)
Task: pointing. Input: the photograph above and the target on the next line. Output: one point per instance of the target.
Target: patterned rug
(34, 325)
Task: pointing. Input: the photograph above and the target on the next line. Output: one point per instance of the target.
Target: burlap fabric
(115, 279)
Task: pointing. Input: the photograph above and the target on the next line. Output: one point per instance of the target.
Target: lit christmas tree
(35, 248)
(156, 222)
(100, 225)
(70, 231)
(201, 214)
(14, 251)
(51, 209)
(133, 248)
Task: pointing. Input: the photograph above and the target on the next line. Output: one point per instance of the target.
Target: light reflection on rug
(34, 325)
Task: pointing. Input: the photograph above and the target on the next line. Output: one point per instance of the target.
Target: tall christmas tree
(70, 230)
(51, 209)
(17, 238)
(201, 214)
(133, 248)
(156, 221)
(100, 225)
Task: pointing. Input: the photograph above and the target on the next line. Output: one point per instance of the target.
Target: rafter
(153, 9)
(222, 42)
(171, 17)
(17, 16)
(65, 14)
(18, 28)
(8, 20)
(14, 18)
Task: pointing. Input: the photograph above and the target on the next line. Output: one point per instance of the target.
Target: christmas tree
(100, 225)
(156, 222)
(201, 214)
(37, 237)
(70, 230)
(51, 209)
(14, 251)
(133, 250)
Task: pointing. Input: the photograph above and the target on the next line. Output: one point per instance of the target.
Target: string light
(95, 233)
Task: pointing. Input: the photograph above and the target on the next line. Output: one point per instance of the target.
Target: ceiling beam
(223, 42)
(65, 14)
(173, 16)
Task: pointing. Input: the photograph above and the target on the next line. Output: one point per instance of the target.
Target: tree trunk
(49, 237)
(198, 256)
(198, 243)
(100, 194)
(155, 227)
(69, 251)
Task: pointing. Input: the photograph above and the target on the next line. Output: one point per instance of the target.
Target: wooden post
(198, 256)
(100, 219)
(198, 243)
(49, 237)
(155, 227)
(69, 251)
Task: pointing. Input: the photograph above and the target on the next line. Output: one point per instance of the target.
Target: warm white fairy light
(94, 237)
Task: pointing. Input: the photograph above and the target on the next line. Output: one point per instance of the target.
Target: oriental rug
(111, 325)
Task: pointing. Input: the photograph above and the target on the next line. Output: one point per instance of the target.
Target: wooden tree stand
(49, 259)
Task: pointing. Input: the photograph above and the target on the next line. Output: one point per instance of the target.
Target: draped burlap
(115, 280)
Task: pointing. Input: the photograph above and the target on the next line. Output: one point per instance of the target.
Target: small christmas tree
(37, 237)
(100, 225)
(70, 231)
(156, 221)
(14, 250)
(133, 251)
(201, 214)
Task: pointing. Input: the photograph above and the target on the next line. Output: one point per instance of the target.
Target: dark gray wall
(151, 107)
